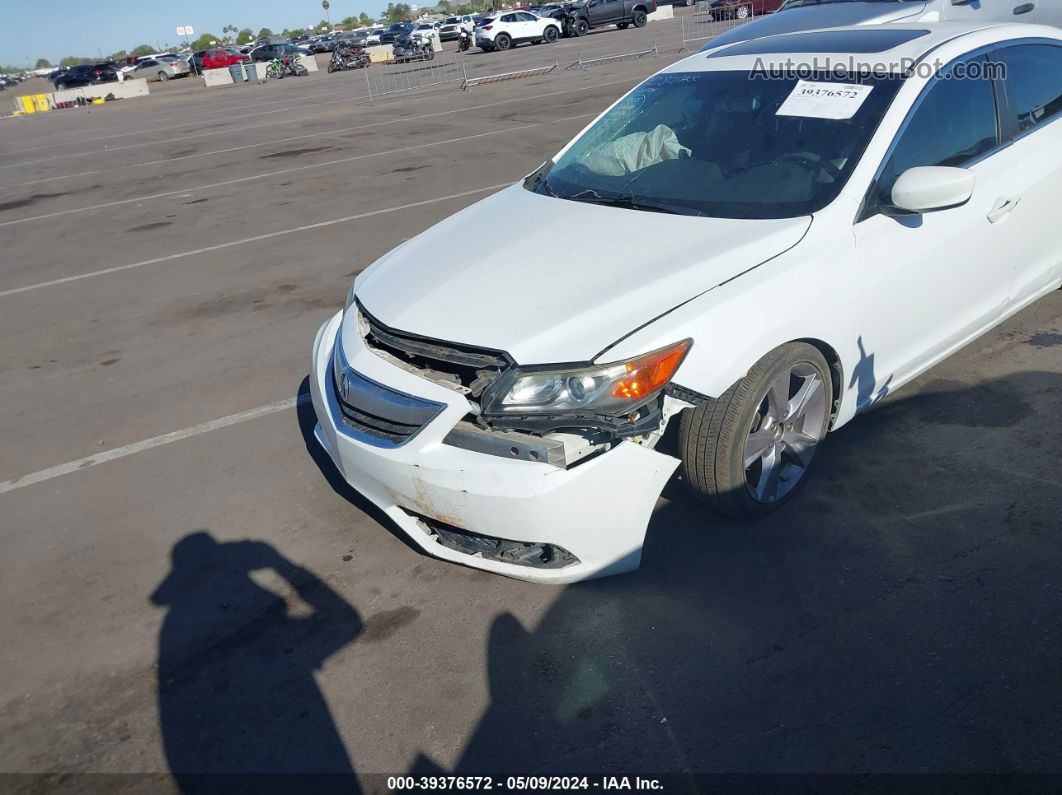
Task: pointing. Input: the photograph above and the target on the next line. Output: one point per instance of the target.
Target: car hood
(566, 285)
(828, 15)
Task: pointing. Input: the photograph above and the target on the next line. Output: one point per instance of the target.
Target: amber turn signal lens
(648, 373)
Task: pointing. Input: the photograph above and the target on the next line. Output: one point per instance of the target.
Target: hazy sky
(53, 28)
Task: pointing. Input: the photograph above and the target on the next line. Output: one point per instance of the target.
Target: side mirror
(927, 188)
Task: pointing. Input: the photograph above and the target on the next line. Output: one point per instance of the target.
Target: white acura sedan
(767, 246)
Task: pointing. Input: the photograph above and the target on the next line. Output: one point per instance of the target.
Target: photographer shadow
(236, 663)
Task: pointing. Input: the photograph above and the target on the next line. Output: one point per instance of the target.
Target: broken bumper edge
(598, 510)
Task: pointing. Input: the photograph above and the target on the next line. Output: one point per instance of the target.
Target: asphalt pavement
(189, 586)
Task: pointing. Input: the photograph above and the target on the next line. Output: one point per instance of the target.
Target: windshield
(720, 144)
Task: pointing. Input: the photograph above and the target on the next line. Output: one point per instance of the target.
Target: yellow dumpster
(26, 104)
(41, 101)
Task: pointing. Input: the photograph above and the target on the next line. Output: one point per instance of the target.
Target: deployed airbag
(636, 151)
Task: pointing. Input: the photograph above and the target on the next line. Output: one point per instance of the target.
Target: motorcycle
(465, 41)
(412, 48)
(351, 57)
(285, 65)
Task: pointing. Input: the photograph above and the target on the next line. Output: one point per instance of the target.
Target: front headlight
(613, 389)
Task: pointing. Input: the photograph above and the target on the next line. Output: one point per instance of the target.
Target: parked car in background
(580, 18)
(516, 27)
(267, 52)
(324, 43)
(85, 75)
(797, 15)
(744, 9)
(159, 69)
(372, 36)
(394, 31)
(450, 28)
(219, 58)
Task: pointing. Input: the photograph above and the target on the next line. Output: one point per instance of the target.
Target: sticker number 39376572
(824, 100)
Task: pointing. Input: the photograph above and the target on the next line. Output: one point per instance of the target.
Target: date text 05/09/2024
(522, 783)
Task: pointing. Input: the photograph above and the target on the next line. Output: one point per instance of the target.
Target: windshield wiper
(628, 202)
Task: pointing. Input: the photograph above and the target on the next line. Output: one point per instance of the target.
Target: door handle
(1002, 207)
(1024, 8)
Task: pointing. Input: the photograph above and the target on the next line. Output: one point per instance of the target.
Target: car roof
(890, 47)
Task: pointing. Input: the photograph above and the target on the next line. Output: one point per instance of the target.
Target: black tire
(713, 436)
(163, 76)
(502, 42)
(581, 27)
(550, 34)
(623, 25)
(639, 18)
(742, 12)
(60, 86)
(331, 68)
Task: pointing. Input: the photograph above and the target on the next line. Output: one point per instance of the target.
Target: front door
(935, 279)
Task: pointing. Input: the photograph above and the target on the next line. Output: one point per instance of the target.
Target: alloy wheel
(786, 429)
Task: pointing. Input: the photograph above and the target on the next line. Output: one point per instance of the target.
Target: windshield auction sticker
(824, 100)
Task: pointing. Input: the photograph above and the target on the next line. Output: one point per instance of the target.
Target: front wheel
(502, 42)
(550, 35)
(273, 72)
(639, 19)
(743, 12)
(300, 70)
(163, 76)
(746, 452)
(582, 27)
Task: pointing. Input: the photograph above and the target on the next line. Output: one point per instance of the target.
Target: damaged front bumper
(521, 517)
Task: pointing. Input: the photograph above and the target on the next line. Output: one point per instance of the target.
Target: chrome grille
(374, 413)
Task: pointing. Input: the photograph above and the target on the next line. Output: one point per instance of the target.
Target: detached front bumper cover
(595, 512)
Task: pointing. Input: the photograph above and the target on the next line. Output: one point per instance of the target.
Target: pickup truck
(578, 18)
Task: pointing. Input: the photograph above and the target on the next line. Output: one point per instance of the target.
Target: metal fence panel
(394, 76)
(582, 63)
(498, 78)
(707, 23)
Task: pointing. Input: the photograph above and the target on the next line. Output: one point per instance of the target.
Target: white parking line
(273, 124)
(244, 241)
(307, 135)
(149, 444)
(281, 172)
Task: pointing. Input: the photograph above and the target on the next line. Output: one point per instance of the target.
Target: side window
(525, 17)
(509, 18)
(1033, 82)
(954, 123)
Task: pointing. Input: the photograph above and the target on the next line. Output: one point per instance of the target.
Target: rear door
(992, 10)
(1032, 125)
(1049, 12)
